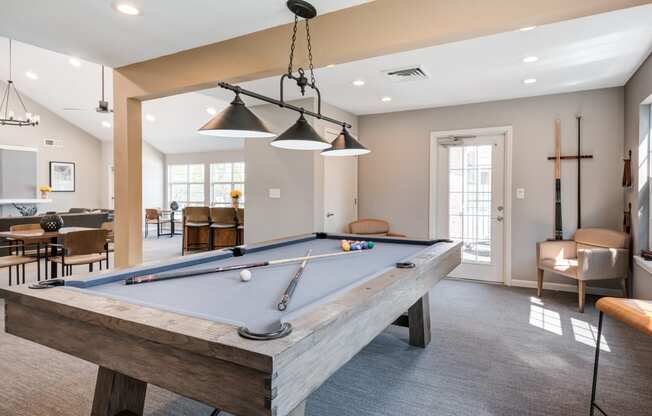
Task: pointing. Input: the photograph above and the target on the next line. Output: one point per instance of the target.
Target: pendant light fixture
(345, 145)
(7, 116)
(238, 121)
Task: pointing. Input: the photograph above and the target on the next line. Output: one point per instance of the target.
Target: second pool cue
(283, 304)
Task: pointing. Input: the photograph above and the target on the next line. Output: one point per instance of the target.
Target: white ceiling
(61, 85)
(93, 30)
(592, 52)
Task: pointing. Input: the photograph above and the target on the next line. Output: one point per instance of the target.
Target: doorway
(340, 189)
(468, 199)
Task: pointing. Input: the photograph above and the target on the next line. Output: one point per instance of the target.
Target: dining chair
(85, 247)
(18, 261)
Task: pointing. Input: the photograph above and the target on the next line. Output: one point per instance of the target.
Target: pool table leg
(419, 322)
(116, 393)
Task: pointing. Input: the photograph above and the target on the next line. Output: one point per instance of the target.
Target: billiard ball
(245, 275)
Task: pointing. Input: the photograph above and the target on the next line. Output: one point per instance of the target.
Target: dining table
(28, 237)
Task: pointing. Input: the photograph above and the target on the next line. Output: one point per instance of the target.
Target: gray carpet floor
(495, 351)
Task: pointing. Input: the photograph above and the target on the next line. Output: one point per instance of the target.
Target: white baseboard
(565, 287)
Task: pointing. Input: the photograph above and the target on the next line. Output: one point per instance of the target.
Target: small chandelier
(7, 116)
(238, 121)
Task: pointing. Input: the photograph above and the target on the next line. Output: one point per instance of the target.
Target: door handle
(499, 219)
(330, 214)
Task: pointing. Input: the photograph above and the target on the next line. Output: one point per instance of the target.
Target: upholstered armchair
(592, 254)
(371, 227)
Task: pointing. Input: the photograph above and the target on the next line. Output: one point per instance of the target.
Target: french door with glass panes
(470, 203)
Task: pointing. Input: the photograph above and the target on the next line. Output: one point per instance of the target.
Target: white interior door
(111, 186)
(470, 206)
(340, 189)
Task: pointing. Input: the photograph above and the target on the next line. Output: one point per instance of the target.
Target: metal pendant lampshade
(301, 136)
(345, 145)
(236, 121)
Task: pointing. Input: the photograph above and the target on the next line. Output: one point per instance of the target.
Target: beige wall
(78, 146)
(153, 175)
(637, 125)
(394, 178)
(291, 171)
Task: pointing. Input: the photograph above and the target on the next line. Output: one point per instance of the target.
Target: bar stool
(240, 217)
(635, 313)
(223, 228)
(196, 223)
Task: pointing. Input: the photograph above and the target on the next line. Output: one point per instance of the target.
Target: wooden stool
(633, 312)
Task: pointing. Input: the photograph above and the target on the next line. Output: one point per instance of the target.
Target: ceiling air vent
(52, 143)
(413, 73)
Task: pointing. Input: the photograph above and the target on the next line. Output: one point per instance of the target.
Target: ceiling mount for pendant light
(238, 121)
(301, 136)
(345, 145)
(7, 116)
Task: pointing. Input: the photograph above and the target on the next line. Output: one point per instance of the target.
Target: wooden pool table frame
(208, 361)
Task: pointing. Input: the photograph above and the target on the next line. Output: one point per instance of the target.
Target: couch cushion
(601, 237)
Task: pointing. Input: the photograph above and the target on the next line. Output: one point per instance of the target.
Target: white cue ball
(245, 275)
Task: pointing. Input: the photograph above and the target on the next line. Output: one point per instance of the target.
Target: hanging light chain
(312, 68)
(294, 39)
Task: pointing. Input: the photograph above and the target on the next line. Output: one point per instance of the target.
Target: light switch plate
(274, 193)
(520, 193)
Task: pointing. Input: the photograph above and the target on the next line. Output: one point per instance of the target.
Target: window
(226, 177)
(186, 185)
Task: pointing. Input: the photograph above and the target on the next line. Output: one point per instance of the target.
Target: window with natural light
(226, 177)
(186, 184)
(470, 200)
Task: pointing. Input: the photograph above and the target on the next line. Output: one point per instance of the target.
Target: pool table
(185, 334)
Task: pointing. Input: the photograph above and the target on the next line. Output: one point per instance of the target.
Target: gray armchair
(592, 254)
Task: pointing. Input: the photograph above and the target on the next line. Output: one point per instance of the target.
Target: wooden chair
(110, 238)
(153, 217)
(372, 227)
(85, 247)
(18, 261)
(196, 226)
(34, 248)
(223, 228)
(592, 254)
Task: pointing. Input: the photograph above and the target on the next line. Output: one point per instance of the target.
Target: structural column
(128, 162)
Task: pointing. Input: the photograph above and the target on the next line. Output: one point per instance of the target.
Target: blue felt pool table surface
(223, 297)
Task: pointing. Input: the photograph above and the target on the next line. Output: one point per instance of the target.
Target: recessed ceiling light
(150, 118)
(358, 83)
(211, 111)
(31, 75)
(529, 81)
(530, 59)
(386, 99)
(527, 28)
(106, 124)
(127, 8)
(74, 62)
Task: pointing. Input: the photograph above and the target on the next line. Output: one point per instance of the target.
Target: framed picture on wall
(62, 176)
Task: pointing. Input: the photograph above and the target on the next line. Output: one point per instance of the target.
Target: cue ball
(245, 275)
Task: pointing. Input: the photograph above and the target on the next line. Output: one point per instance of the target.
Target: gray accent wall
(394, 178)
(79, 147)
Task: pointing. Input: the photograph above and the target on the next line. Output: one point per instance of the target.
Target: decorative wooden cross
(579, 158)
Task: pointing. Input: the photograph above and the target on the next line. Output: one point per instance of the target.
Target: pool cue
(558, 227)
(178, 275)
(283, 304)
